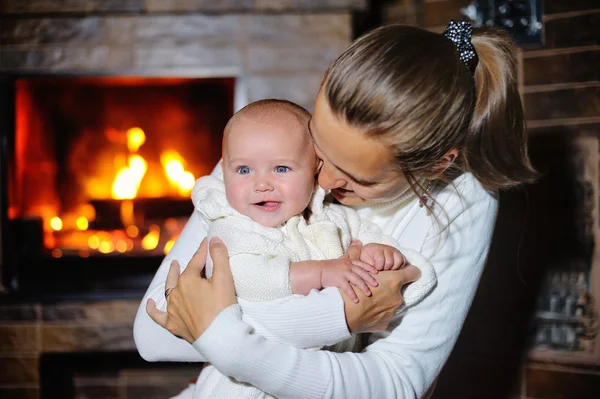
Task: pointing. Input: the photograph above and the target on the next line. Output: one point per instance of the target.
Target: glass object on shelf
(565, 317)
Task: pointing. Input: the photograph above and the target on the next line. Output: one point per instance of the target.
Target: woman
(416, 130)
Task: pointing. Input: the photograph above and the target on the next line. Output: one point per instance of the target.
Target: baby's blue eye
(282, 169)
(243, 170)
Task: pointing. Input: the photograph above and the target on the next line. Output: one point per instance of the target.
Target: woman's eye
(282, 169)
(243, 170)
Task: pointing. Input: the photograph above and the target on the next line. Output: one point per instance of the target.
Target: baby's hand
(345, 273)
(382, 257)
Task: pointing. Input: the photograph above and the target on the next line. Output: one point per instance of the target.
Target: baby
(283, 237)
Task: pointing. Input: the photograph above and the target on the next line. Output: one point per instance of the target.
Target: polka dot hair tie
(460, 34)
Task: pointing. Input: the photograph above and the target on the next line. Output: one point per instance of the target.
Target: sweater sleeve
(314, 320)
(402, 362)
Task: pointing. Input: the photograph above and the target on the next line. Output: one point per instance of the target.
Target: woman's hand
(374, 313)
(193, 301)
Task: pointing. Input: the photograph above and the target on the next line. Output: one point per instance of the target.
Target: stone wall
(277, 49)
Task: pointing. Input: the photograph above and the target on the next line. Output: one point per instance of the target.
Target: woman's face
(357, 169)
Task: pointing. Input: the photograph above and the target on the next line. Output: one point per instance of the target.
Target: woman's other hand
(374, 313)
(193, 301)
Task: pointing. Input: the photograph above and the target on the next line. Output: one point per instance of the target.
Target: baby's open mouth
(268, 206)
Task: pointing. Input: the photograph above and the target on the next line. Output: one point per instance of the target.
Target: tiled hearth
(272, 48)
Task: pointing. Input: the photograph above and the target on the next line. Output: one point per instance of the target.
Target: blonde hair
(269, 107)
(409, 87)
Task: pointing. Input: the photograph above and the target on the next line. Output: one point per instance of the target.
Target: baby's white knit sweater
(260, 259)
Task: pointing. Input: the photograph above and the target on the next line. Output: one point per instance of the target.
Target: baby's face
(269, 168)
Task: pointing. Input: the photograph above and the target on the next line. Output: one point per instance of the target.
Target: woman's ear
(446, 161)
(319, 165)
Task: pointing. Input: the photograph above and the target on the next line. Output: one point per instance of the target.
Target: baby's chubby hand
(345, 273)
(382, 257)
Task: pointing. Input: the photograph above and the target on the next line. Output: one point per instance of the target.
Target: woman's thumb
(220, 257)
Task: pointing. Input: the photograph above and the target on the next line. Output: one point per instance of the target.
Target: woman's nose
(329, 178)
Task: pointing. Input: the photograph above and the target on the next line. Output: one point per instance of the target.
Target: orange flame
(176, 173)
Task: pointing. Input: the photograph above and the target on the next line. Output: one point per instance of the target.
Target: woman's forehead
(348, 148)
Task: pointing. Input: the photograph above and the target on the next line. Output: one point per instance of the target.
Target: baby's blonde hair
(267, 108)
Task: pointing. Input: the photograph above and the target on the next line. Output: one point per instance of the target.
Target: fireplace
(97, 172)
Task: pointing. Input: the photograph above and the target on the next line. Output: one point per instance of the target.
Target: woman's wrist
(231, 314)
(221, 343)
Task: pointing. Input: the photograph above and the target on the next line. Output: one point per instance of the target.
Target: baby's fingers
(389, 259)
(357, 281)
(399, 261)
(365, 276)
(365, 266)
(347, 288)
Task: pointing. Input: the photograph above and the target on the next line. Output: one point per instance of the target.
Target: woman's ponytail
(495, 150)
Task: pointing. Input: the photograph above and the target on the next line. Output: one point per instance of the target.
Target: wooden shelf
(563, 357)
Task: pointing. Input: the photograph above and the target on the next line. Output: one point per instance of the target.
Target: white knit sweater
(401, 362)
(260, 258)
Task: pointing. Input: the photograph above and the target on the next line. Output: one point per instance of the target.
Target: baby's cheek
(303, 192)
(235, 197)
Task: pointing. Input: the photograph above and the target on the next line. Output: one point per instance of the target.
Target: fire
(127, 185)
(135, 138)
(125, 161)
(56, 223)
(82, 223)
(128, 179)
(176, 173)
(169, 245)
(150, 241)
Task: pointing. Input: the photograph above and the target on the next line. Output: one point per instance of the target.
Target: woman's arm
(313, 320)
(401, 365)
